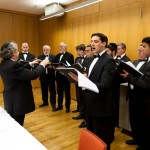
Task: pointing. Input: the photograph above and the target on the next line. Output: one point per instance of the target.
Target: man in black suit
(89, 54)
(47, 79)
(18, 96)
(141, 99)
(139, 64)
(25, 55)
(78, 60)
(121, 56)
(99, 106)
(121, 53)
(81, 60)
(111, 49)
(63, 85)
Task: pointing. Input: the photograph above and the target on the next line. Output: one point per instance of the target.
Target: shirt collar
(101, 53)
(122, 55)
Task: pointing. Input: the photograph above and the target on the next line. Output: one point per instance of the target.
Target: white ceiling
(30, 6)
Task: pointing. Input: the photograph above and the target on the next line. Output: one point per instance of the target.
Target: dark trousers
(101, 127)
(80, 100)
(63, 86)
(116, 97)
(143, 126)
(19, 119)
(77, 96)
(133, 117)
(48, 85)
(82, 107)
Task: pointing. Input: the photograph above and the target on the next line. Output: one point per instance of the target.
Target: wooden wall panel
(25, 29)
(145, 18)
(110, 4)
(5, 27)
(117, 24)
(121, 23)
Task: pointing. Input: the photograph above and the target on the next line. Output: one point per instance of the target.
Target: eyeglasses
(140, 50)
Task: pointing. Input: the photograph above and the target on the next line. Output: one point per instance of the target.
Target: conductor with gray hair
(17, 94)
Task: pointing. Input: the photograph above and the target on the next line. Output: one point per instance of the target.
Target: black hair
(146, 40)
(102, 37)
(80, 47)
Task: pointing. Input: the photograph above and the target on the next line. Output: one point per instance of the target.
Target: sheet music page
(84, 82)
(130, 64)
(68, 64)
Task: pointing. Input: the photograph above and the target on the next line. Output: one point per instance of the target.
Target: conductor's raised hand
(34, 62)
(45, 62)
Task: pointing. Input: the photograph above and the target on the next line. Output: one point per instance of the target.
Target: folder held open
(130, 68)
(83, 81)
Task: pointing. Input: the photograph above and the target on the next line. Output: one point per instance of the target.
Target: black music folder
(65, 72)
(58, 64)
(73, 68)
(129, 68)
(83, 81)
(78, 67)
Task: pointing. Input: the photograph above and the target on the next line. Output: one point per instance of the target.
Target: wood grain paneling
(110, 4)
(5, 27)
(145, 18)
(121, 23)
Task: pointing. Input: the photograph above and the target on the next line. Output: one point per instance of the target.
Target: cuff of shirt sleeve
(31, 64)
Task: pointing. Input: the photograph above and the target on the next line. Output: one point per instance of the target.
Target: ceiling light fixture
(75, 7)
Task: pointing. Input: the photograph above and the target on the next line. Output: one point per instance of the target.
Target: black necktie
(62, 54)
(97, 56)
(25, 53)
(46, 55)
(119, 57)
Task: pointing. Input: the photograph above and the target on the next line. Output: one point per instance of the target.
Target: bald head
(62, 47)
(25, 47)
(46, 49)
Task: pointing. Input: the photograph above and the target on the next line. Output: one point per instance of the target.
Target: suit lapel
(97, 65)
(136, 63)
(64, 58)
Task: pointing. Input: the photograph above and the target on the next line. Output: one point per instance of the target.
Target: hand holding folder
(83, 81)
(130, 68)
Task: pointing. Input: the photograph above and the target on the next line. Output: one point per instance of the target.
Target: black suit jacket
(141, 91)
(66, 57)
(78, 60)
(30, 56)
(101, 104)
(51, 72)
(125, 58)
(130, 92)
(84, 63)
(18, 96)
(118, 79)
